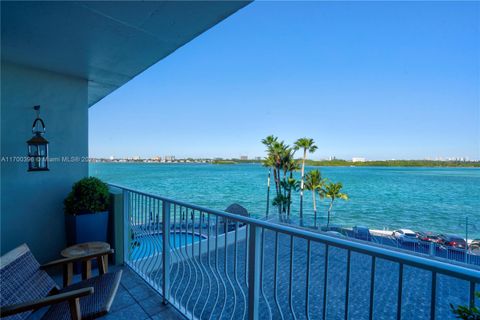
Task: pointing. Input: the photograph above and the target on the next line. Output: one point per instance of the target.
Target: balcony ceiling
(107, 43)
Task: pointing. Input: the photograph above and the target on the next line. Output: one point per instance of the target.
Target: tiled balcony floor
(136, 300)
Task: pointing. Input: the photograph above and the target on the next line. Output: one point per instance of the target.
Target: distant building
(243, 157)
(157, 159)
(169, 158)
(358, 159)
(258, 158)
(136, 158)
(112, 158)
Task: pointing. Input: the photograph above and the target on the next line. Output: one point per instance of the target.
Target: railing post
(126, 225)
(254, 250)
(166, 251)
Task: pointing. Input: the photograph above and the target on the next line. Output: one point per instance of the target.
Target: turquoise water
(436, 199)
(147, 246)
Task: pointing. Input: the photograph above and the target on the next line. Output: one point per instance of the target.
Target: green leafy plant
(88, 195)
(466, 313)
(332, 191)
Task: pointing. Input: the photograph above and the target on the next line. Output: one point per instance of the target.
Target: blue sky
(381, 80)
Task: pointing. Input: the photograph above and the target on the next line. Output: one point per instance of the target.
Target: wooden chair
(26, 287)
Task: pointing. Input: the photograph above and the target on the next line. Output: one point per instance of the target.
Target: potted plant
(86, 211)
(466, 312)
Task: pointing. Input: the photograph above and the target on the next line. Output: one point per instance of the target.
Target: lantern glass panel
(42, 150)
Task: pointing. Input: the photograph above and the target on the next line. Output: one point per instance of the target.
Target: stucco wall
(32, 202)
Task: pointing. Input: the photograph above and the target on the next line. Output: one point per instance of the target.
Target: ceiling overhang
(107, 43)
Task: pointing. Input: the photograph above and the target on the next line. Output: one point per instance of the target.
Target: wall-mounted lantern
(38, 145)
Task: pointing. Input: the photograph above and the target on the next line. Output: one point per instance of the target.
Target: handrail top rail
(465, 273)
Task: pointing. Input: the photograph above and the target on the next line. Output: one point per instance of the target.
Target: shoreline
(356, 165)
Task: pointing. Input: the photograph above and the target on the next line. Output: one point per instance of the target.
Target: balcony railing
(211, 264)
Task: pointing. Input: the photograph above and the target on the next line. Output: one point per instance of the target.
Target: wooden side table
(86, 249)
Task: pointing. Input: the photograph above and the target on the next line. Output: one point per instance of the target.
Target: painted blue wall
(32, 202)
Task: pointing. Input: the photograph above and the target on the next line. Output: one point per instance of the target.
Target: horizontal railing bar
(427, 263)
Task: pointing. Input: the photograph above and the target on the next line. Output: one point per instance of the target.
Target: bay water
(429, 199)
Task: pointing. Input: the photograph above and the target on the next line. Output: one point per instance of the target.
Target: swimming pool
(149, 245)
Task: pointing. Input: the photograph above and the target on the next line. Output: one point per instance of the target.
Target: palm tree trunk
(314, 209)
(290, 194)
(276, 181)
(285, 190)
(329, 210)
(301, 181)
(276, 175)
(268, 190)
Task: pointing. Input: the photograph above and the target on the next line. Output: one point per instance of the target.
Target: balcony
(137, 300)
(212, 264)
(180, 260)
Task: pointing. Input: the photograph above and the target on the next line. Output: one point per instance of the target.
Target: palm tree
(282, 158)
(281, 154)
(332, 191)
(289, 164)
(281, 202)
(277, 151)
(269, 140)
(269, 162)
(306, 144)
(289, 185)
(313, 180)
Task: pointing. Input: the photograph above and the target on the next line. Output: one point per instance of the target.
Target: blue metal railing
(211, 264)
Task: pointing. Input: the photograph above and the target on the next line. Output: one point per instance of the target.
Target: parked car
(362, 233)
(475, 246)
(405, 236)
(428, 236)
(452, 240)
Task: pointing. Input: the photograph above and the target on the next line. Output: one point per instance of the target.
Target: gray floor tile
(129, 313)
(141, 292)
(131, 280)
(122, 299)
(153, 305)
(168, 314)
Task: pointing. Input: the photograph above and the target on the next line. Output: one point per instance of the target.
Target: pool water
(147, 246)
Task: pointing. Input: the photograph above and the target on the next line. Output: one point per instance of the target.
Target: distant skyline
(379, 80)
(173, 158)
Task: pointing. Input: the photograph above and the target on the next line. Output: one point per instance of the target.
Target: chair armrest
(53, 299)
(76, 259)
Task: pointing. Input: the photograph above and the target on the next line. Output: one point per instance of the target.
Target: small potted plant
(86, 211)
(466, 312)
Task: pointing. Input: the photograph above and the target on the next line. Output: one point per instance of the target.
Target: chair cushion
(22, 280)
(91, 306)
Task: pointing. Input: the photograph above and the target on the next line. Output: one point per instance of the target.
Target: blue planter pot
(87, 227)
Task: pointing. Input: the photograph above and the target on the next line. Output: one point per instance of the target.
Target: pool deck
(219, 294)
